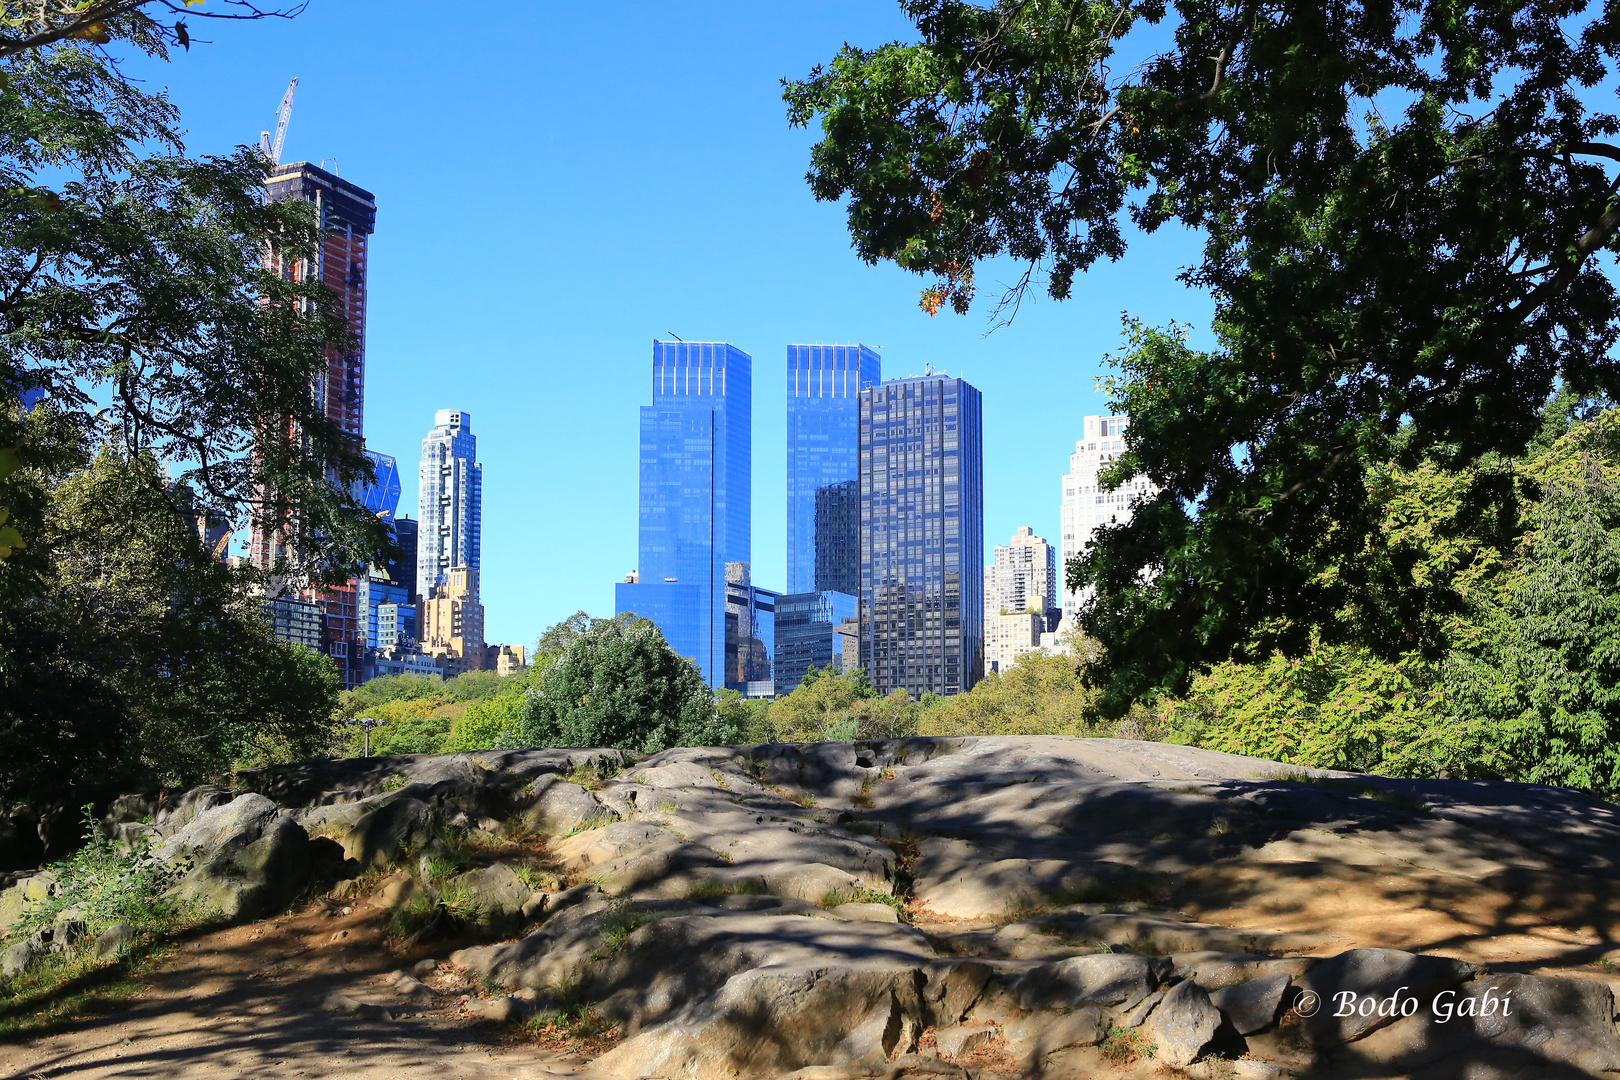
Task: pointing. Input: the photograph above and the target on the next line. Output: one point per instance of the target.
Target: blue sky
(556, 186)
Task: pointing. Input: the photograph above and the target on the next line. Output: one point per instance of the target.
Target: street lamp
(366, 723)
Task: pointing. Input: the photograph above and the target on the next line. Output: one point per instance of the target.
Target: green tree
(1543, 675)
(132, 655)
(620, 687)
(829, 705)
(1039, 694)
(1402, 204)
(163, 296)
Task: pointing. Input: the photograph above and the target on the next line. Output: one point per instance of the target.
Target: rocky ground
(995, 907)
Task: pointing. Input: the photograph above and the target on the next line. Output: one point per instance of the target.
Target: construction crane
(284, 114)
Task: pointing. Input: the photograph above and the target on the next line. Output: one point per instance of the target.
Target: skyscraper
(449, 496)
(1020, 598)
(348, 215)
(1023, 576)
(922, 535)
(824, 383)
(695, 477)
(1086, 507)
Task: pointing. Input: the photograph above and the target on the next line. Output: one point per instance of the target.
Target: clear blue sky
(559, 184)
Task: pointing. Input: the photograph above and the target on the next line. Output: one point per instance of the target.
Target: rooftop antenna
(672, 334)
(272, 150)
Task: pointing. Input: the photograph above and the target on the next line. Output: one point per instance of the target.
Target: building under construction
(348, 213)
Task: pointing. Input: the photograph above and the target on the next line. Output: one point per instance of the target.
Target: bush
(623, 688)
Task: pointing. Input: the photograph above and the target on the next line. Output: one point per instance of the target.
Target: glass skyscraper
(807, 634)
(695, 479)
(824, 383)
(922, 535)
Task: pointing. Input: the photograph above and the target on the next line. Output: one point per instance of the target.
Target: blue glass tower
(696, 461)
(824, 383)
(382, 496)
(922, 536)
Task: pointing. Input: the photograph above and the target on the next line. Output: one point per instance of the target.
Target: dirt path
(255, 1001)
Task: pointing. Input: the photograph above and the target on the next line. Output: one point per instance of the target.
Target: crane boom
(283, 115)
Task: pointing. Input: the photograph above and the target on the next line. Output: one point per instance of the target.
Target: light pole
(366, 723)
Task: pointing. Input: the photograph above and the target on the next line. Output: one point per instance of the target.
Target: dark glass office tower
(922, 536)
(823, 393)
(696, 450)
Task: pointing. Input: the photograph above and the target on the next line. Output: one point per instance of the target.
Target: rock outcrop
(950, 907)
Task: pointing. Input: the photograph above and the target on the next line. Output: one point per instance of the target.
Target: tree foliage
(167, 297)
(623, 687)
(1408, 210)
(128, 654)
(1524, 687)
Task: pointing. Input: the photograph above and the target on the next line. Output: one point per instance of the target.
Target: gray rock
(1214, 970)
(867, 912)
(816, 1015)
(241, 860)
(424, 968)
(1175, 935)
(562, 952)
(1183, 1024)
(17, 957)
(1138, 1013)
(960, 1040)
(1082, 1027)
(561, 808)
(1377, 974)
(1117, 979)
(1252, 1005)
(384, 834)
(184, 810)
(113, 940)
(951, 987)
(342, 1003)
(1504, 1025)
(492, 898)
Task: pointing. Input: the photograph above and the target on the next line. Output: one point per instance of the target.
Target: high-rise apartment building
(453, 622)
(824, 383)
(922, 535)
(1023, 576)
(348, 215)
(750, 630)
(695, 498)
(1020, 598)
(449, 500)
(1086, 507)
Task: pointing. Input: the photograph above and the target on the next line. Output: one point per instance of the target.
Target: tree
(130, 654)
(166, 297)
(621, 687)
(1039, 694)
(27, 27)
(832, 706)
(1402, 204)
(1543, 676)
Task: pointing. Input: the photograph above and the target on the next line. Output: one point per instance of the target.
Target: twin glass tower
(884, 518)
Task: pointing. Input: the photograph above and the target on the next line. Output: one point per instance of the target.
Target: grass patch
(590, 777)
(1122, 1046)
(713, 887)
(834, 897)
(65, 987)
(619, 921)
(572, 1023)
(100, 886)
(394, 783)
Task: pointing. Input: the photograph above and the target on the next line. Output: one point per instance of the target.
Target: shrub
(620, 687)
